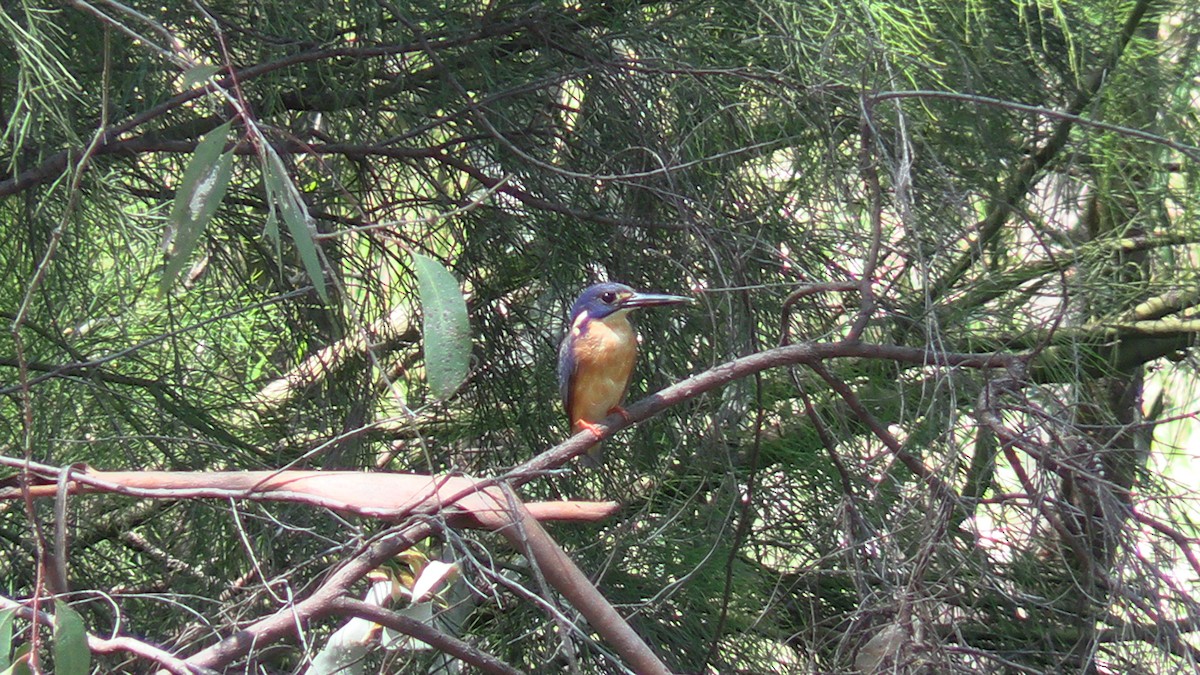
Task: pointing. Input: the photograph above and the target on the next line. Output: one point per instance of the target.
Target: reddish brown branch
(373, 495)
(463, 501)
(478, 502)
(316, 606)
(785, 312)
(112, 645)
(424, 632)
(910, 461)
(868, 166)
(719, 376)
(493, 512)
(565, 576)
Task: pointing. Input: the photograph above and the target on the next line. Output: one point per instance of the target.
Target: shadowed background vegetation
(1016, 178)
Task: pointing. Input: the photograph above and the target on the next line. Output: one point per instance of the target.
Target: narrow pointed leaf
(271, 229)
(71, 655)
(292, 210)
(197, 199)
(447, 333)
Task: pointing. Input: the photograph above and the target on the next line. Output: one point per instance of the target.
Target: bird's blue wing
(566, 370)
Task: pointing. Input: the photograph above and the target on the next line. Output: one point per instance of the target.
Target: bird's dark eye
(608, 297)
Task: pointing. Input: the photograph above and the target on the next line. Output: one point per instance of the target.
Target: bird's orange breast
(605, 350)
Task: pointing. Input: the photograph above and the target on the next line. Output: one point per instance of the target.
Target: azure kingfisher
(595, 361)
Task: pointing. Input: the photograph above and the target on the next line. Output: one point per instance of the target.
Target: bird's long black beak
(651, 299)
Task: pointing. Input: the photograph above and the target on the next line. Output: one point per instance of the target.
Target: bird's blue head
(603, 300)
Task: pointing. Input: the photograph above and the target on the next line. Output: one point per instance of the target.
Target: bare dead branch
(373, 495)
(424, 632)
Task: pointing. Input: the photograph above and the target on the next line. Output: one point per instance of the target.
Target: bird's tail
(594, 456)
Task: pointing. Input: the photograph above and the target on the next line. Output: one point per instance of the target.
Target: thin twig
(440, 640)
(117, 643)
(1190, 151)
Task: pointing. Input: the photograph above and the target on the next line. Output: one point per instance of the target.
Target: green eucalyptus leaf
(6, 630)
(446, 333)
(196, 201)
(71, 655)
(272, 227)
(286, 199)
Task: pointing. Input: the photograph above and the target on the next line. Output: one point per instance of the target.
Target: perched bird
(595, 361)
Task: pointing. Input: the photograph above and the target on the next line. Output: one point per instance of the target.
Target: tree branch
(424, 632)
(112, 645)
(1019, 184)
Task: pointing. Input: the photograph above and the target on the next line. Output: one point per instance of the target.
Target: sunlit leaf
(271, 229)
(6, 627)
(287, 200)
(198, 74)
(197, 199)
(71, 655)
(447, 333)
(435, 575)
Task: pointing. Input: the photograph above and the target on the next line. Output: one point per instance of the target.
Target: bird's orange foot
(584, 424)
(620, 411)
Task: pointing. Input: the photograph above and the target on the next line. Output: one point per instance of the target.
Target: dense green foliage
(959, 177)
